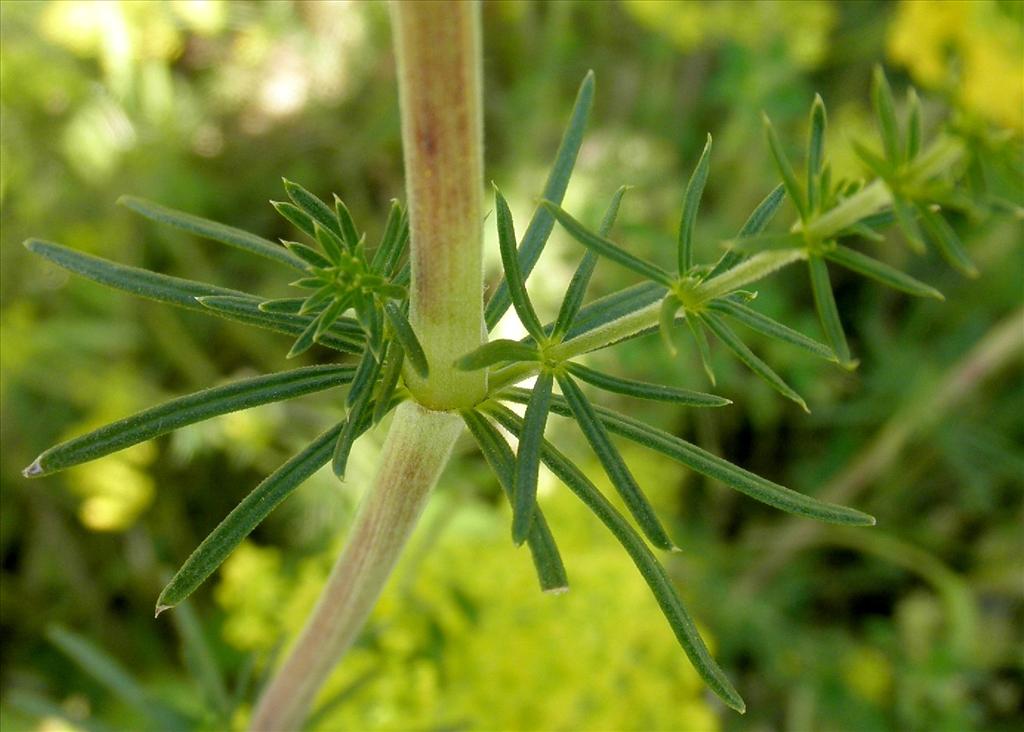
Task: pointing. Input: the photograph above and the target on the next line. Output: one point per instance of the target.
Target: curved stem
(416, 451)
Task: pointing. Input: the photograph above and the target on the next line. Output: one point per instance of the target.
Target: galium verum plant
(370, 306)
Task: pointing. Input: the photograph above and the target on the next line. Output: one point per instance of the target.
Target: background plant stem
(439, 68)
(416, 451)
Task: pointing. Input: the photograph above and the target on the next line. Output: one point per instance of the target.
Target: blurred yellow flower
(973, 48)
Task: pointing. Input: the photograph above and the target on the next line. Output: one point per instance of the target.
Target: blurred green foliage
(203, 106)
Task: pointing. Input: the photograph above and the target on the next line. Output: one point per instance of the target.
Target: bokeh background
(913, 625)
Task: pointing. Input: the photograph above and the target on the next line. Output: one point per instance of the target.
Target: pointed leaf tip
(33, 470)
(160, 609)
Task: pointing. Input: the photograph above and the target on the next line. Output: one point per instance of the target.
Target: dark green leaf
(645, 390)
(308, 254)
(393, 360)
(815, 153)
(763, 242)
(348, 227)
(186, 410)
(906, 217)
(329, 240)
(497, 351)
(696, 327)
(211, 230)
(789, 180)
(316, 209)
(667, 322)
(771, 328)
(913, 124)
(299, 218)
(615, 306)
(947, 242)
(691, 202)
(614, 466)
(733, 343)
(141, 282)
(316, 301)
(245, 517)
(407, 337)
(330, 316)
(654, 574)
(285, 306)
(345, 335)
(881, 272)
(389, 249)
(547, 561)
(607, 248)
(712, 466)
(828, 313)
(881, 98)
(581, 278)
(306, 338)
(540, 226)
(528, 457)
(513, 275)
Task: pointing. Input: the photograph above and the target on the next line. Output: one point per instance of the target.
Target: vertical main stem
(439, 84)
(416, 451)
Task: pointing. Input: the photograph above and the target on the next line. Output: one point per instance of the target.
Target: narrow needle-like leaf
(547, 561)
(881, 272)
(712, 466)
(392, 370)
(759, 218)
(528, 457)
(581, 278)
(344, 334)
(313, 206)
(906, 217)
(691, 202)
(513, 275)
(725, 334)
(913, 124)
(540, 226)
(650, 569)
(384, 256)
(815, 153)
(614, 466)
(306, 338)
(349, 231)
(789, 180)
(667, 323)
(770, 327)
(609, 249)
(359, 400)
(308, 254)
(299, 218)
(212, 230)
(186, 410)
(881, 97)
(947, 242)
(497, 351)
(828, 313)
(696, 326)
(645, 390)
(245, 517)
(407, 337)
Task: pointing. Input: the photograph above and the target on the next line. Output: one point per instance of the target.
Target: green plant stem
(439, 69)
(414, 454)
(999, 347)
